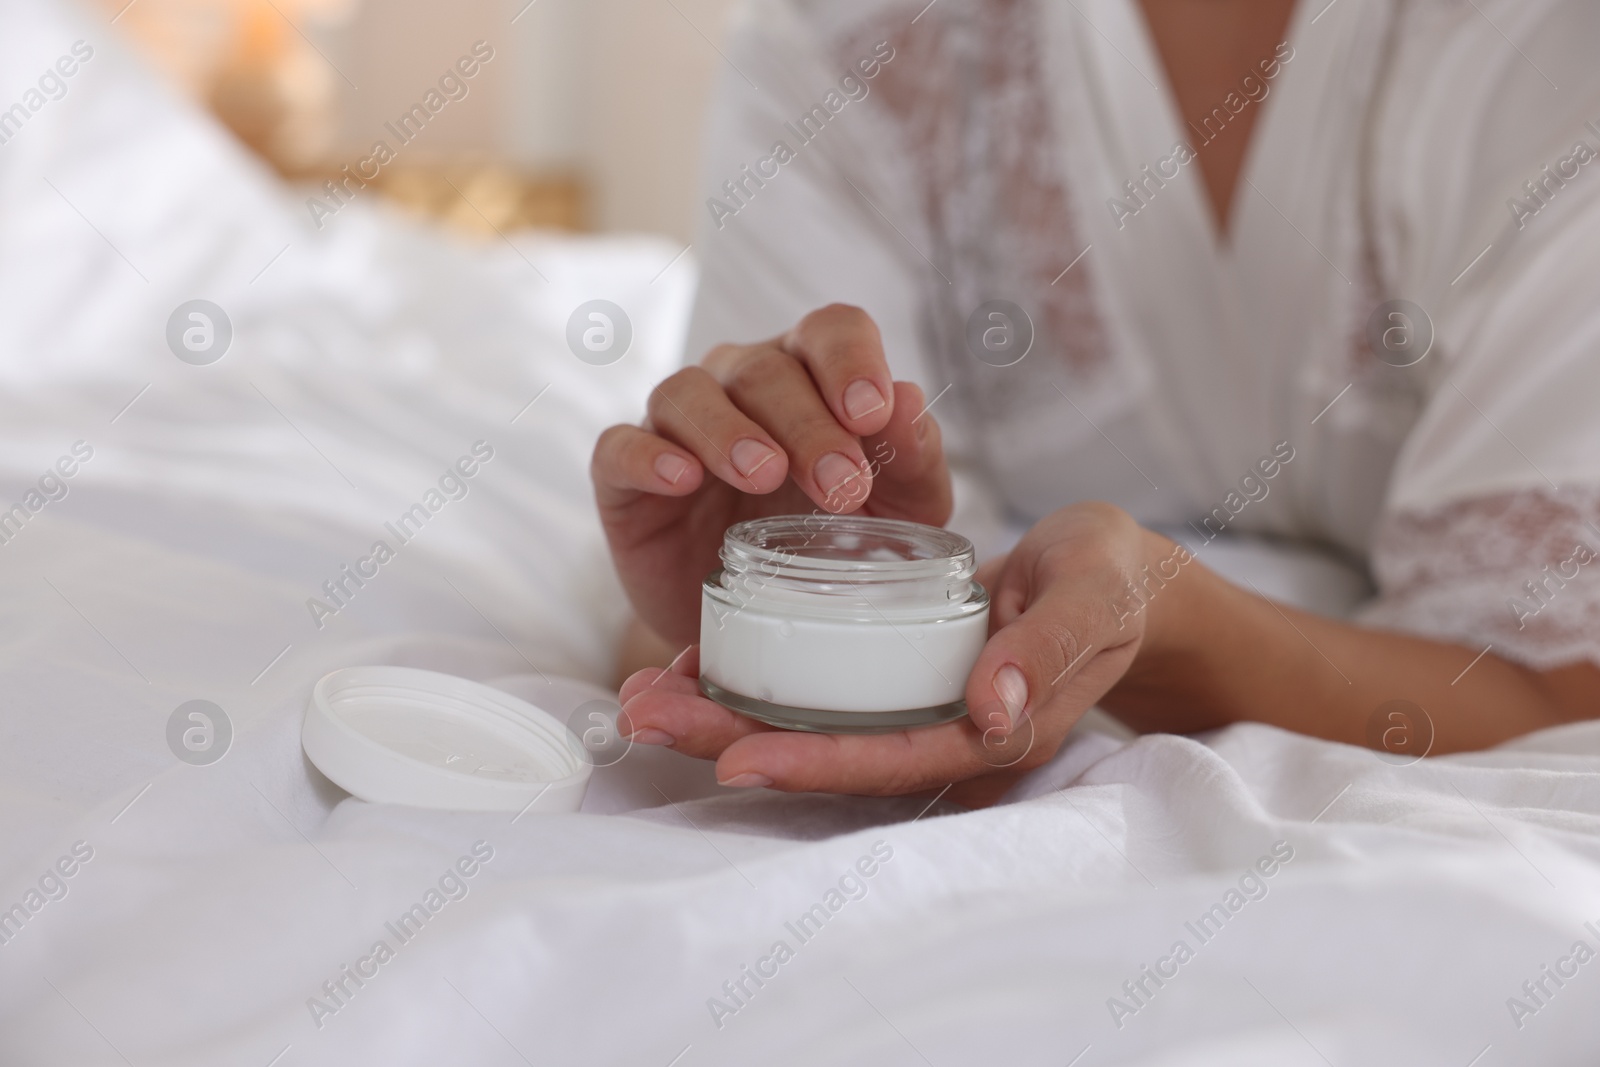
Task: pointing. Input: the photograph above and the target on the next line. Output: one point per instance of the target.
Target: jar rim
(842, 602)
(849, 547)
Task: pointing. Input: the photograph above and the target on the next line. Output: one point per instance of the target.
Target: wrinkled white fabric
(220, 899)
(367, 358)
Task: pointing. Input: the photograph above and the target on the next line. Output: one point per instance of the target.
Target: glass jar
(842, 623)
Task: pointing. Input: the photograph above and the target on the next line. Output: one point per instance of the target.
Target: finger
(665, 707)
(686, 722)
(691, 410)
(875, 764)
(629, 461)
(842, 351)
(684, 667)
(911, 478)
(1062, 649)
(825, 459)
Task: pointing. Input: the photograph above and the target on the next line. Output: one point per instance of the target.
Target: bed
(1245, 897)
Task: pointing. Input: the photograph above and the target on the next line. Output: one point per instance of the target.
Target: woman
(1351, 244)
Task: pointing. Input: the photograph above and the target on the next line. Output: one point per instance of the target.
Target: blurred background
(587, 118)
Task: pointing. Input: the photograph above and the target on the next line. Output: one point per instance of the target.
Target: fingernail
(834, 469)
(1012, 689)
(749, 455)
(862, 399)
(671, 467)
(747, 780)
(649, 735)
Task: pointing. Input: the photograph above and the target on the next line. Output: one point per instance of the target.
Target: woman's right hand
(807, 421)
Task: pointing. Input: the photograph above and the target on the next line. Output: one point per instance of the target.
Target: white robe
(1390, 161)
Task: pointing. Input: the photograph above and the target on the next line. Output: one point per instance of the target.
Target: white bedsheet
(218, 900)
(1417, 900)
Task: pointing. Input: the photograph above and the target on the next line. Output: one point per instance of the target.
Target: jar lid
(398, 735)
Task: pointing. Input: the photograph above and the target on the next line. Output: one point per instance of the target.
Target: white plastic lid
(397, 735)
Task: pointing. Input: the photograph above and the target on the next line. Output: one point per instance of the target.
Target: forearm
(1217, 654)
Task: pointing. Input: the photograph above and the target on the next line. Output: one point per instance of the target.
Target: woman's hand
(805, 421)
(1071, 607)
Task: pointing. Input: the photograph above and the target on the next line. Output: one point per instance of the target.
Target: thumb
(1055, 659)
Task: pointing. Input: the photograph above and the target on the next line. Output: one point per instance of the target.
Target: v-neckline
(1220, 237)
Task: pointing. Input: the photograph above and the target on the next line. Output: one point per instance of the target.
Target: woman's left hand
(1071, 607)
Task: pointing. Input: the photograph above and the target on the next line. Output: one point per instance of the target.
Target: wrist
(1167, 588)
(1195, 623)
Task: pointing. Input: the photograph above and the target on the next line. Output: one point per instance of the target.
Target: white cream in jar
(842, 623)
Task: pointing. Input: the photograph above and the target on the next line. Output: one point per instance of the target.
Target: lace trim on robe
(969, 102)
(1518, 570)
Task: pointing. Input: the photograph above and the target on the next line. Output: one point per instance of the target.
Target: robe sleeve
(1487, 213)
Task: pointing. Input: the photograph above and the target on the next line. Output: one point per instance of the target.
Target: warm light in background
(588, 118)
(247, 61)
